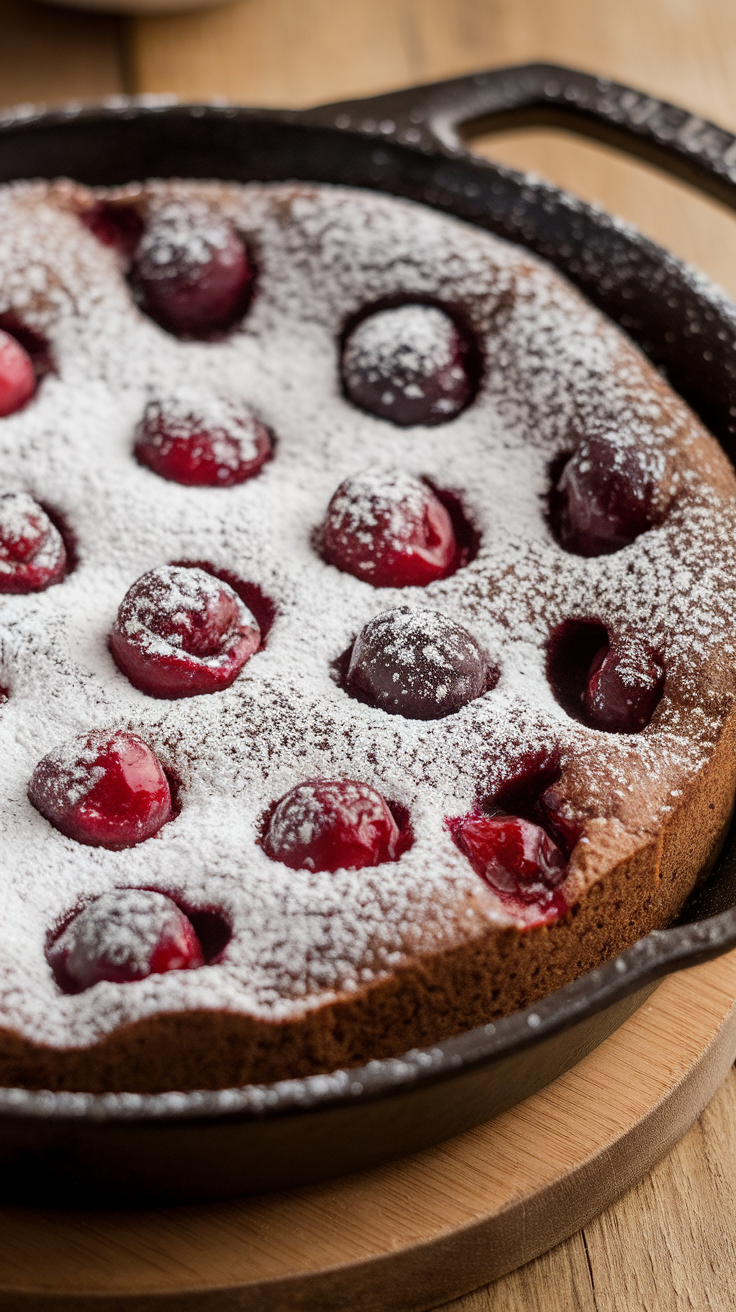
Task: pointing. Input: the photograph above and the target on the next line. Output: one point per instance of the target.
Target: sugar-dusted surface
(406, 364)
(158, 613)
(120, 931)
(182, 235)
(32, 552)
(418, 663)
(231, 430)
(552, 366)
(387, 527)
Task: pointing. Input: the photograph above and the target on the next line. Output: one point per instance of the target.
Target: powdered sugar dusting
(26, 533)
(635, 668)
(73, 771)
(121, 928)
(166, 600)
(229, 430)
(419, 339)
(554, 367)
(182, 234)
(391, 498)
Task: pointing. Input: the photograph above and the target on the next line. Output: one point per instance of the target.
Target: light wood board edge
(474, 1208)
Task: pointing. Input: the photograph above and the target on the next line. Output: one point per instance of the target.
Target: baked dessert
(367, 641)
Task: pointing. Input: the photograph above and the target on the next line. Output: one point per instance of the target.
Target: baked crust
(434, 997)
(431, 951)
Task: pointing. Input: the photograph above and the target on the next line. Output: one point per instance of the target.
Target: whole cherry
(191, 271)
(389, 529)
(623, 687)
(181, 632)
(124, 936)
(103, 789)
(410, 364)
(607, 495)
(202, 444)
(17, 375)
(326, 824)
(32, 551)
(417, 663)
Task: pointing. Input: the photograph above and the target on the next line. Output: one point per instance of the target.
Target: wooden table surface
(670, 1243)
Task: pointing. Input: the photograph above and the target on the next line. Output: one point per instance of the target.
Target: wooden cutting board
(416, 1233)
(670, 1244)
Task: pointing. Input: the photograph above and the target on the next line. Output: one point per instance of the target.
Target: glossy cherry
(389, 529)
(558, 819)
(332, 825)
(191, 271)
(17, 375)
(417, 663)
(32, 552)
(123, 936)
(216, 446)
(410, 364)
(624, 685)
(104, 789)
(180, 632)
(607, 494)
(514, 856)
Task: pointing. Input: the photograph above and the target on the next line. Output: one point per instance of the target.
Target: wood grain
(297, 52)
(668, 1244)
(294, 52)
(51, 55)
(406, 1236)
(559, 1281)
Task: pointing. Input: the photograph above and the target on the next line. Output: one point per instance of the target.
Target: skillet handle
(447, 114)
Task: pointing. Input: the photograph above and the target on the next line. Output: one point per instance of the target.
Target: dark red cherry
(113, 223)
(17, 375)
(410, 364)
(607, 494)
(124, 936)
(418, 664)
(558, 819)
(389, 529)
(332, 825)
(32, 552)
(104, 789)
(211, 445)
(180, 632)
(191, 271)
(624, 685)
(517, 858)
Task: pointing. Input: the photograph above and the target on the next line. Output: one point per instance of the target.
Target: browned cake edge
(429, 999)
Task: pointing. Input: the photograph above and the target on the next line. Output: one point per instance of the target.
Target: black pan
(83, 1148)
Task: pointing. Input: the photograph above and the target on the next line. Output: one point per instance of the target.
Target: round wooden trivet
(419, 1232)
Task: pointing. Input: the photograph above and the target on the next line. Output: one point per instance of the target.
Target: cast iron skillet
(77, 1148)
